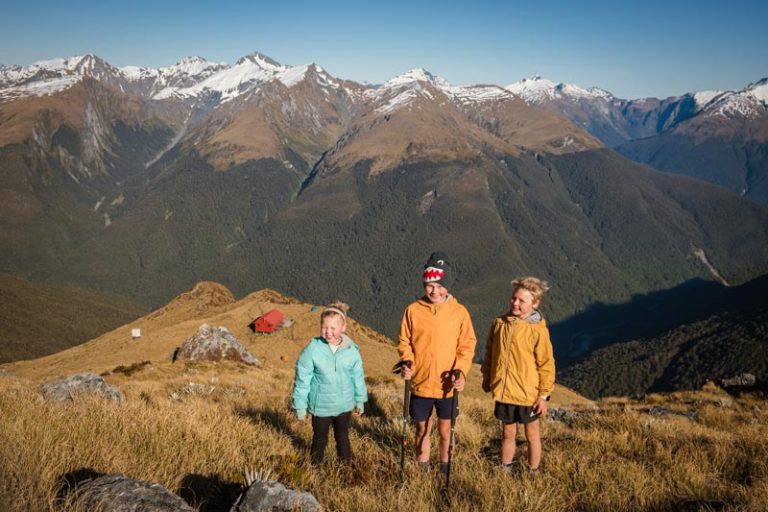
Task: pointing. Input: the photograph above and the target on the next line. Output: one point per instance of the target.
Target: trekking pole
(406, 402)
(454, 413)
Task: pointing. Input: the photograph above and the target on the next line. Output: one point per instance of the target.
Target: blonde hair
(337, 308)
(533, 285)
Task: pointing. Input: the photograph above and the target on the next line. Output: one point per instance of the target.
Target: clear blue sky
(633, 49)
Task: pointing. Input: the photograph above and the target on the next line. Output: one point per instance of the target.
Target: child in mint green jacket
(330, 383)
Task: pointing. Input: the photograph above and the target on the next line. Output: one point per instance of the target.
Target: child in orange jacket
(436, 334)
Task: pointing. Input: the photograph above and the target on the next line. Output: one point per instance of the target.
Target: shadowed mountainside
(713, 333)
(38, 319)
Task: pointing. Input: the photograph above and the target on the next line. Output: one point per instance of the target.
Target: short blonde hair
(337, 308)
(533, 285)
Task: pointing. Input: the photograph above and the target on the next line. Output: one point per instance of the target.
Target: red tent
(268, 322)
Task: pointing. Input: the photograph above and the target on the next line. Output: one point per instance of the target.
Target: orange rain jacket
(438, 338)
(518, 366)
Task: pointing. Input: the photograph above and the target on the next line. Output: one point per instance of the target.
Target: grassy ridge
(194, 429)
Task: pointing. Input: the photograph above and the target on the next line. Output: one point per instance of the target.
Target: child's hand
(356, 412)
(458, 382)
(403, 368)
(540, 407)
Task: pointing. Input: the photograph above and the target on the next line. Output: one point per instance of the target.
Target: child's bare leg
(444, 429)
(533, 436)
(423, 445)
(508, 435)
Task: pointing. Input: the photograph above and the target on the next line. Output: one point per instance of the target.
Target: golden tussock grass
(196, 428)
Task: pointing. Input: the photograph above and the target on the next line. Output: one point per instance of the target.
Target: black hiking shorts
(511, 413)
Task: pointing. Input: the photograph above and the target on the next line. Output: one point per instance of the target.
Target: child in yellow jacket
(519, 369)
(437, 336)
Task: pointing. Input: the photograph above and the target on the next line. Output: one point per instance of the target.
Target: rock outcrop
(271, 496)
(118, 493)
(214, 344)
(741, 381)
(81, 384)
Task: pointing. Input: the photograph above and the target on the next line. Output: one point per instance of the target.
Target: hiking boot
(424, 466)
(534, 472)
(444, 468)
(507, 468)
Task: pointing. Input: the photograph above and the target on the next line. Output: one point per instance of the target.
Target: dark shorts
(511, 413)
(421, 408)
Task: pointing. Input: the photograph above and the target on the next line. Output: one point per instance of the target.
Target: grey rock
(118, 493)
(744, 380)
(214, 344)
(658, 410)
(270, 496)
(566, 416)
(84, 383)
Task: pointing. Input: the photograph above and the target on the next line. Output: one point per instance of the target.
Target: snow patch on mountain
(248, 73)
(294, 75)
(402, 90)
(759, 91)
(402, 99)
(51, 76)
(229, 82)
(477, 94)
(537, 90)
(53, 68)
(750, 102)
(704, 98)
(40, 88)
(405, 88)
(416, 75)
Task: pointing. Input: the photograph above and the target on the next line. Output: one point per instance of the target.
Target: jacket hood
(346, 341)
(534, 317)
(450, 302)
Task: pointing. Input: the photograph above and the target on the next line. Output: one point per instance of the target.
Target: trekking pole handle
(398, 368)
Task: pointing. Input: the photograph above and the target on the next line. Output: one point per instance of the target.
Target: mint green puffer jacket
(328, 383)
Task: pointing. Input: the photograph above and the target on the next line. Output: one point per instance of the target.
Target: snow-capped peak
(704, 98)
(759, 90)
(538, 90)
(417, 75)
(192, 66)
(249, 72)
(293, 75)
(263, 62)
(50, 76)
(184, 73)
(60, 66)
(750, 102)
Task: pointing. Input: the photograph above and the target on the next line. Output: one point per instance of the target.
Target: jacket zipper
(506, 371)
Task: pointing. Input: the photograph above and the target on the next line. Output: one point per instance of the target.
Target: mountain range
(143, 181)
(716, 136)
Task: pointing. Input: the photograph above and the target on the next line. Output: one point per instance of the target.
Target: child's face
(522, 303)
(436, 293)
(332, 328)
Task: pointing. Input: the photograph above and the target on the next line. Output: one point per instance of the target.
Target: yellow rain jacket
(518, 366)
(438, 338)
